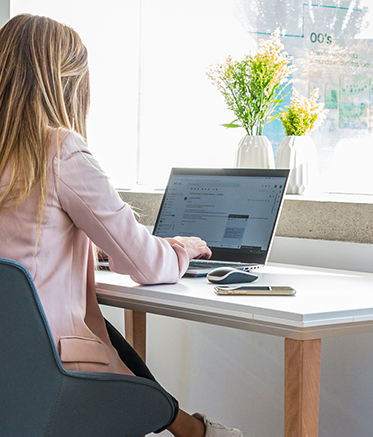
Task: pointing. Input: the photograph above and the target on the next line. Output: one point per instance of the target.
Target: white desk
(327, 303)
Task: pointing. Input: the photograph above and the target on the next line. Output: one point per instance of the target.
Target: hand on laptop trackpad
(229, 275)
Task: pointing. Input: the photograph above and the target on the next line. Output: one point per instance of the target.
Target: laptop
(235, 211)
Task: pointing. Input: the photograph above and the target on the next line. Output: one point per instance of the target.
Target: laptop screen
(234, 210)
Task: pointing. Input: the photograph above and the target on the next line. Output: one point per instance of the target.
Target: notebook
(235, 211)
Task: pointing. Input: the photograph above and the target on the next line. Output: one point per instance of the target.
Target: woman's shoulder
(69, 142)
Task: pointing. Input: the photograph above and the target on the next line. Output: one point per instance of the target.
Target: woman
(55, 201)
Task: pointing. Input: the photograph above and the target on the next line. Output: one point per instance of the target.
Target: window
(153, 107)
(110, 30)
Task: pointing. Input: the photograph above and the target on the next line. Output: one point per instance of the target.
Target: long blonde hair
(44, 81)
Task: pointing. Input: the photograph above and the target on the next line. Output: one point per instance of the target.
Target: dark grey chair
(39, 398)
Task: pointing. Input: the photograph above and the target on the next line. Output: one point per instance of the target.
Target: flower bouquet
(254, 87)
(303, 115)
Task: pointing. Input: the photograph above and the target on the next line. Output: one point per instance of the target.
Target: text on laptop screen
(226, 211)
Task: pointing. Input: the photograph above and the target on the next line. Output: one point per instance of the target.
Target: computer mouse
(230, 275)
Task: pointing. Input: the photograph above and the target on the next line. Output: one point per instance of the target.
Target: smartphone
(254, 290)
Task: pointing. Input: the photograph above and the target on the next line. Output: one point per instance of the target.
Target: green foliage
(254, 87)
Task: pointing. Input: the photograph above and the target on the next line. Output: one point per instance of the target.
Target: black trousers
(133, 361)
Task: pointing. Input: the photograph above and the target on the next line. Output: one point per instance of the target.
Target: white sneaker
(215, 429)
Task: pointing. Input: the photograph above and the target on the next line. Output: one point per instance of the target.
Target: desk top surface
(328, 302)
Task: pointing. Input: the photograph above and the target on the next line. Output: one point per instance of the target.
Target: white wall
(237, 376)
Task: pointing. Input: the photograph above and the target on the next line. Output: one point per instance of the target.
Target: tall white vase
(255, 151)
(298, 153)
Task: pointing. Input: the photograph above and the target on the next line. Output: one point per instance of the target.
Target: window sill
(333, 217)
(332, 197)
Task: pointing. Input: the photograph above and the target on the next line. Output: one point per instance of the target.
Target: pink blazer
(82, 206)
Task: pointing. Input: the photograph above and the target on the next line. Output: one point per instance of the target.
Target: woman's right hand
(195, 247)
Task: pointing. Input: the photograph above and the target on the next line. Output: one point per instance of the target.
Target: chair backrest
(29, 364)
(39, 398)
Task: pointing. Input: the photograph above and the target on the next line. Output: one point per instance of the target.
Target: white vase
(255, 151)
(298, 153)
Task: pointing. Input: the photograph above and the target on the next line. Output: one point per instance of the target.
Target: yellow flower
(303, 115)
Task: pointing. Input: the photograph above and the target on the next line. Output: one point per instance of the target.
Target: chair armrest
(102, 404)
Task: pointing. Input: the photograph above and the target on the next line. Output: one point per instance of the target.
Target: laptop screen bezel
(228, 254)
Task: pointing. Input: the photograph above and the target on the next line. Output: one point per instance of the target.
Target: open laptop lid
(235, 211)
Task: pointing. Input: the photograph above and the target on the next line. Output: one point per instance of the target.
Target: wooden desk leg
(135, 330)
(302, 387)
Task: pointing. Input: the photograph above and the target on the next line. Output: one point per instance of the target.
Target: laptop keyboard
(195, 264)
(102, 265)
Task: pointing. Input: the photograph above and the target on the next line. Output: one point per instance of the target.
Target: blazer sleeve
(94, 206)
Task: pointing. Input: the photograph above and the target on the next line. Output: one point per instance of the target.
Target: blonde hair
(44, 81)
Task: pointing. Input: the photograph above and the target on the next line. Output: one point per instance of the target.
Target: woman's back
(59, 266)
